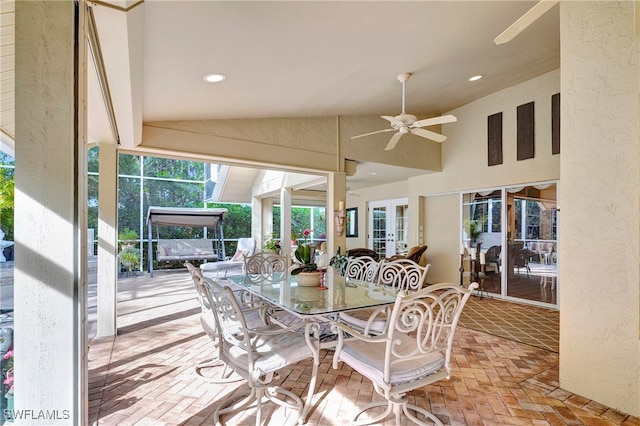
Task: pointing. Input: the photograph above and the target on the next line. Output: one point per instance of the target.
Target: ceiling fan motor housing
(406, 119)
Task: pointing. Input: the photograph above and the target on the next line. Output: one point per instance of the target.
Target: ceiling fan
(407, 123)
(525, 20)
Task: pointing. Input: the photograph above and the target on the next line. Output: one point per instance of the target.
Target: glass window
(7, 185)
(173, 169)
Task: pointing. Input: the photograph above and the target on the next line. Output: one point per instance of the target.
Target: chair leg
(233, 405)
(274, 394)
(397, 408)
(377, 419)
(407, 407)
(225, 376)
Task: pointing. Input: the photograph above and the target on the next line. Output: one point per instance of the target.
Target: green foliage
(129, 165)
(173, 169)
(237, 223)
(339, 262)
(128, 236)
(473, 228)
(130, 258)
(300, 218)
(271, 243)
(305, 255)
(7, 187)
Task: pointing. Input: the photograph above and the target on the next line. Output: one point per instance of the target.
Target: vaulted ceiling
(298, 59)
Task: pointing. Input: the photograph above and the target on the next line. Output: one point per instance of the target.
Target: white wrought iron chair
(399, 274)
(258, 353)
(415, 351)
(265, 266)
(364, 269)
(402, 274)
(221, 373)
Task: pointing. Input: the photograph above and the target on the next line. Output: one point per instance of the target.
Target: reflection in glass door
(532, 272)
(482, 230)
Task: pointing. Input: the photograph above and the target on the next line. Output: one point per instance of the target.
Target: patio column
(261, 219)
(600, 167)
(285, 221)
(108, 240)
(336, 194)
(50, 212)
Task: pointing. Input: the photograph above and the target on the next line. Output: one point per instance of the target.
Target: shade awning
(182, 216)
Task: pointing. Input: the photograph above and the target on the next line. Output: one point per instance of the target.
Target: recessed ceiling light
(475, 78)
(214, 78)
(372, 173)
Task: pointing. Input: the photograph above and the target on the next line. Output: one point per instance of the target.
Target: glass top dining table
(340, 294)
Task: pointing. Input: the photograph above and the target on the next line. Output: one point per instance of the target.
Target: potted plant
(128, 237)
(473, 228)
(271, 244)
(306, 268)
(130, 258)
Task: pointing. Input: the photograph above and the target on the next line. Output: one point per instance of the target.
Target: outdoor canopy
(183, 216)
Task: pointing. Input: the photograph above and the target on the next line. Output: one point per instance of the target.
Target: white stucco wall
(599, 298)
(50, 342)
(465, 164)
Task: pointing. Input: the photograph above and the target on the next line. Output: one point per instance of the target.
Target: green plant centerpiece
(305, 255)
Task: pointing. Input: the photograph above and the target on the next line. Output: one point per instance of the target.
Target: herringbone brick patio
(145, 376)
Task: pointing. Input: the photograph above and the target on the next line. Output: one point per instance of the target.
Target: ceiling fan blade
(394, 141)
(525, 20)
(392, 120)
(429, 134)
(372, 133)
(435, 120)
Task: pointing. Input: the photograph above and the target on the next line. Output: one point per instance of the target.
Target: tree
(7, 186)
(237, 223)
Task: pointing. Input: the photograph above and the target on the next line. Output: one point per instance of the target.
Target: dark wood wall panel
(494, 139)
(555, 124)
(526, 131)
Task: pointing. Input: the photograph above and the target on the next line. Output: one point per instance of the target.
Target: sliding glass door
(482, 231)
(514, 231)
(532, 250)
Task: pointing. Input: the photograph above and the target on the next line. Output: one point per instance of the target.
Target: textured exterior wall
(49, 352)
(599, 346)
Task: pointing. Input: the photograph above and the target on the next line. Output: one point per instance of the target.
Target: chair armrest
(268, 331)
(340, 329)
(371, 321)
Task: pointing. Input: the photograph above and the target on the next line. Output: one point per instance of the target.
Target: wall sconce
(339, 217)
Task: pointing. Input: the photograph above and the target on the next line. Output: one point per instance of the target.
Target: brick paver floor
(145, 375)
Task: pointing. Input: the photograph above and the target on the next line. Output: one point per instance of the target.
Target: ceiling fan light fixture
(475, 78)
(214, 78)
(408, 123)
